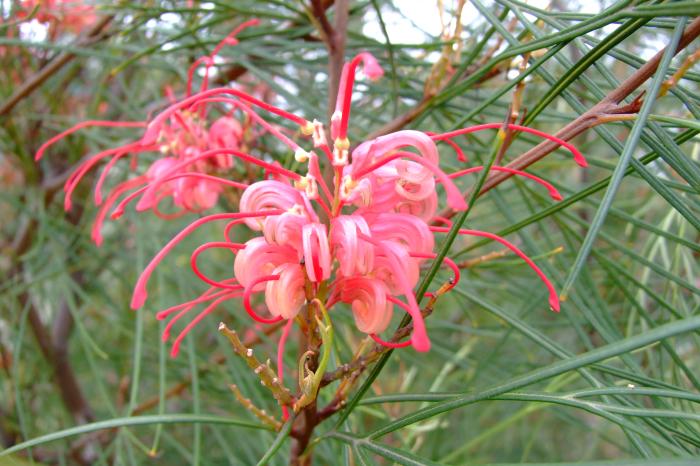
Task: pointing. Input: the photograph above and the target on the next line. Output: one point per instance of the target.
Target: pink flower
(378, 210)
(360, 240)
(185, 171)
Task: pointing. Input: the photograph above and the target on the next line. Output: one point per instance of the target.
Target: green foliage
(611, 380)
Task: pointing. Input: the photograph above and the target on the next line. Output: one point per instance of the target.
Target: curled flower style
(358, 239)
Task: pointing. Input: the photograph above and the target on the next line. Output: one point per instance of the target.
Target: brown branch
(55, 64)
(609, 104)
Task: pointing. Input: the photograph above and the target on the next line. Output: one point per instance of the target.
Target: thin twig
(58, 62)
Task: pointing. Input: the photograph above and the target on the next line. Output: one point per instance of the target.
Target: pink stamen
(255, 117)
(553, 298)
(446, 260)
(140, 293)
(119, 210)
(246, 300)
(460, 154)
(208, 295)
(324, 206)
(553, 192)
(578, 156)
(147, 198)
(111, 199)
(189, 306)
(208, 310)
(280, 359)
(79, 173)
(190, 72)
(443, 220)
(315, 170)
(86, 124)
(154, 126)
(205, 177)
(227, 229)
(390, 344)
(209, 59)
(103, 176)
(204, 247)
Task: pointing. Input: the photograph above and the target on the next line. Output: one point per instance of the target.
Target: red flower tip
(554, 303)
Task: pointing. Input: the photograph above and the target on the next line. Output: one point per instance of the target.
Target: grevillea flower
(360, 240)
(182, 140)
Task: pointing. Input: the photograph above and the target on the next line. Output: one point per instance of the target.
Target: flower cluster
(357, 232)
(179, 139)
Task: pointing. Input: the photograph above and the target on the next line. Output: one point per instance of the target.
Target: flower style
(366, 244)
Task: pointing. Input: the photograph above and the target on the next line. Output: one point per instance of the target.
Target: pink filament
(208, 295)
(205, 177)
(460, 154)
(578, 156)
(140, 293)
(147, 198)
(204, 247)
(208, 59)
(450, 263)
(553, 298)
(154, 126)
(77, 175)
(390, 344)
(553, 192)
(246, 300)
(208, 310)
(111, 199)
(443, 220)
(255, 117)
(85, 124)
(103, 176)
(119, 210)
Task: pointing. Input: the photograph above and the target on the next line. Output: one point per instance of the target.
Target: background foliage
(614, 376)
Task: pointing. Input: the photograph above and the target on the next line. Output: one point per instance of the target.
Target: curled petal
(317, 255)
(368, 299)
(369, 152)
(285, 229)
(355, 257)
(269, 194)
(404, 229)
(396, 266)
(285, 296)
(260, 258)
